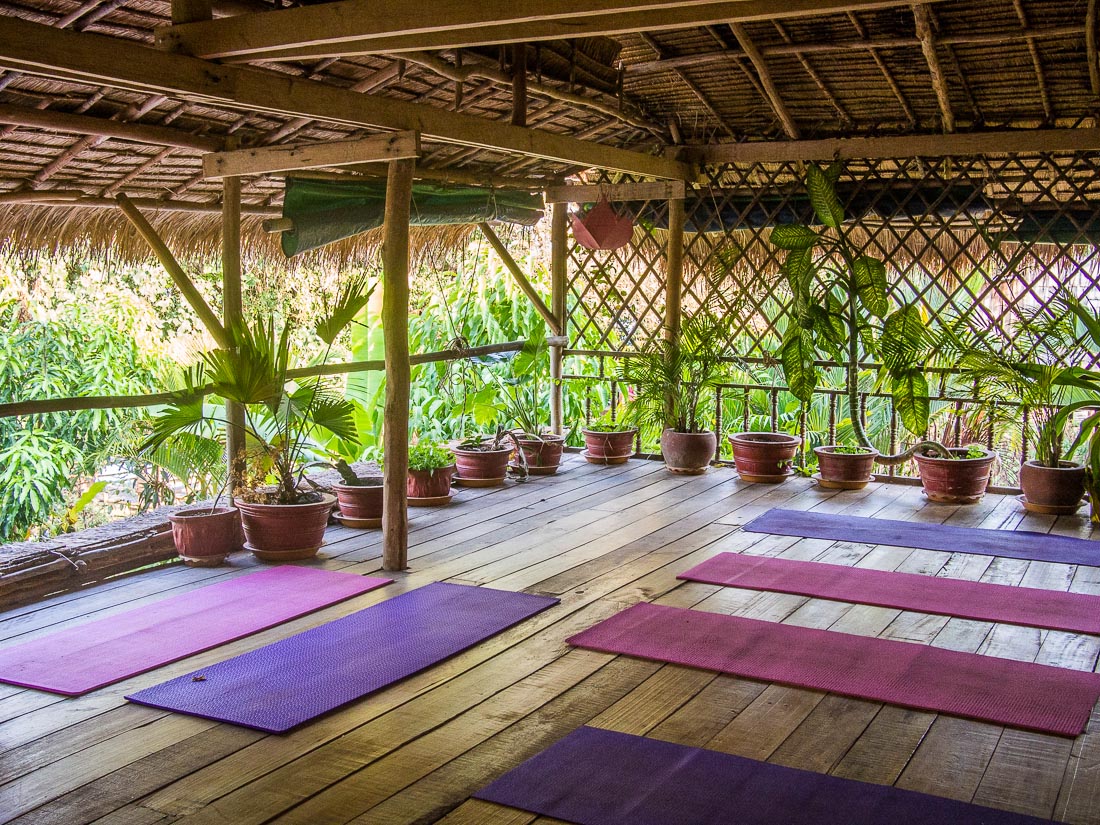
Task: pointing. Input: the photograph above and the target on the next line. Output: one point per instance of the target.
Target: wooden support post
(674, 280)
(168, 261)
(521, 279)
(558, 260)
(232, 316)
(519, 84)
(395, 330)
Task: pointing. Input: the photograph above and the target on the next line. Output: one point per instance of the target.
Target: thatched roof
(1001, 64)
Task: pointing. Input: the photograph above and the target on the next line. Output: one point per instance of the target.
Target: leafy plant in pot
(482, 461)
(674, 383)
(431, 469)
(284, 518)
(608, 442)
(842, 311)
(359, 498)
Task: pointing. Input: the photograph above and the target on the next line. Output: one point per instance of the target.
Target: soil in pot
(481, 466)
(608, 447)
(360, 504)
(428, 488)
(844, 468)
(764, 457)
(688, 453)
(205, 536)
(543, 454)
(1052, 490)
(286, 532)
(955, 480)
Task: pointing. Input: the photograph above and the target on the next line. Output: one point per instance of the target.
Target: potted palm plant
(842, 311)
(284, 517)
(431, 469)
(674, 380)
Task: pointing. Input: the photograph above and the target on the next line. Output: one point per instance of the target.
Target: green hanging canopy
(324, 211)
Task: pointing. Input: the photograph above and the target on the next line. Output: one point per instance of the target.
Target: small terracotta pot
(482, 465)
(1052, 490)
(430, 484)
(204, 537)
(609, 447)
(955, 480)
(285, 532)
(844, 471)
(360, 504)
(543, 454)
(764, 457)
(688, 454)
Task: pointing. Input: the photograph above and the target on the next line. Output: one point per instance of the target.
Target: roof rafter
(926, 33)
(771, 92)
(692, 86)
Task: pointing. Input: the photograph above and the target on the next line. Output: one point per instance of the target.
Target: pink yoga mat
(1020, 694)
(907, 591)
(88, 656)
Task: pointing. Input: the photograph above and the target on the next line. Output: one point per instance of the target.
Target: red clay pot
(609, 448)
(955, 480)
(429, 484)
(482, 465)
(688, 454)
(844, 471)
(360, 504)
(1053, 490)
(764, 457)
(285, 532)
(204, 537)
(543, 454)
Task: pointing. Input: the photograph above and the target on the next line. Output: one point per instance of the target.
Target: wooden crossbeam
(661, 190)
(350, 27)
(910, 146)
(103, 127)
(263, 160)
(771, 91)
(41, 50)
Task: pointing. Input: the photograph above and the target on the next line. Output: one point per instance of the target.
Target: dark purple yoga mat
(1007, 692)
(291, 681)
(599, 777)
(1013, 544)
(907, 591)
(91, 655)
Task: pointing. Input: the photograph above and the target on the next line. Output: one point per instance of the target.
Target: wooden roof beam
(42, 50)
(770, 89)
(350, 27)
(1037, 63)
(102, 127)
(264, 160)
(692, 86)
(819, 81)
(887, 75)
(926, 32)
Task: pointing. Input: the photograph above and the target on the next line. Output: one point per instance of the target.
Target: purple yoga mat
(83, 658)
(291, 681)
(1020, 694)
(599, 777)
(907, 591)
(1013, 544)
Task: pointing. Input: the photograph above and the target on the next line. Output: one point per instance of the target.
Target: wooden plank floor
(601, 539)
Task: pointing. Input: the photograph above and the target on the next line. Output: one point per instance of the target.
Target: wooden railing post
(558, 259)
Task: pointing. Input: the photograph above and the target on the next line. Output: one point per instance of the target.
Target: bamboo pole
(395, 329)
(521, 279)
(558, 240)
(171, 265)
(674, 282)
(232, 316)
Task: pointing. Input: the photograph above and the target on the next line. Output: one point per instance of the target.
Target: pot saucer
(359, 523)
(1049, 509)
(592, 459)
(839, 485)
(429, 501)
(478, 482)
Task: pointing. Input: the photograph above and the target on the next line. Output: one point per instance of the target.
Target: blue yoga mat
(1013, 544)
(599, 777)
(284, 684)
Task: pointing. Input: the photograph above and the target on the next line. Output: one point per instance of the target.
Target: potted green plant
(358, 498)
(284, 517)
(674, 378)
(764, 457)
(844, 466)
(431, 469)
(842, 311)
(482, 461)
(522, 400)
(607, 441)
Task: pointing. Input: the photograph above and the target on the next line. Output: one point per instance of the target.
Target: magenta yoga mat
(907, 591)
(1019, 694)
(599, 777)
(88, 656)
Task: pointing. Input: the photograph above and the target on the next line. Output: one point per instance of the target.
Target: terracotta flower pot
(482, 468)
(430, 486)
(360, 504)
(1052, 490)
(764, 457)
(608, 447)
(955, 480)
(285, 532)
(844, 471)
(543, 454)
(204, 537)
(688, 454)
